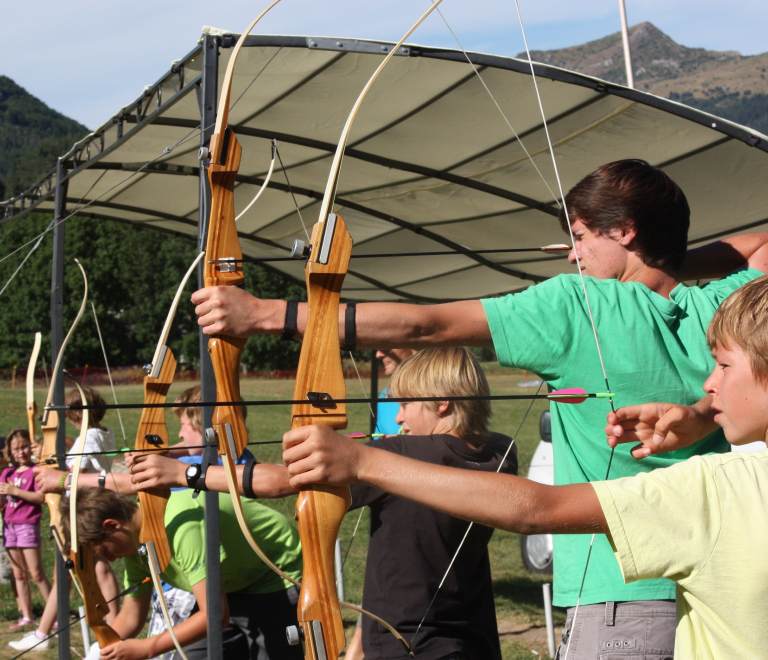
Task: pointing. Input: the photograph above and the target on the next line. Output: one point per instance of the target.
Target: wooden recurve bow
(95, 605)
(80, 558)
(50, 428)
(320, 380)
(152, 434)
(223, 267)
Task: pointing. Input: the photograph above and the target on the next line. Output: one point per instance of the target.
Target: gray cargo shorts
(620, 631)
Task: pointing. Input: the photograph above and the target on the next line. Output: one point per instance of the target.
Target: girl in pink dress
(21, 504)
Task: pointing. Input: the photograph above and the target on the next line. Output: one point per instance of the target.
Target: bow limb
(330, 188)
(31, 404)
(96, 608)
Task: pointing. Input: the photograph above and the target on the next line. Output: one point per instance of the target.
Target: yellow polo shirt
(704, 524)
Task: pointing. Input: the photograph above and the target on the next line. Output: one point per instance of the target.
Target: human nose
(572, 256)
(399, 418)
(711, 384)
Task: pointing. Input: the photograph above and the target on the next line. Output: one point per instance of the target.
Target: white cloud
(88, 58)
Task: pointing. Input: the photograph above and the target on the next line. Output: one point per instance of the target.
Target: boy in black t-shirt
(411, 546)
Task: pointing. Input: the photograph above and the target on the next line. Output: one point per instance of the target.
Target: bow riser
(50, 430)
(152, 426)
(223, 241)
(321, 509)
(96, 605)
(320, 369)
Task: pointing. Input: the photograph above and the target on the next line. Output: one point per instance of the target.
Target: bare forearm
(269, 481)
(722, 257)
(497, 500)
(399, 325)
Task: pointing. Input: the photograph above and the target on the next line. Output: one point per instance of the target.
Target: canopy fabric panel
(431, 163)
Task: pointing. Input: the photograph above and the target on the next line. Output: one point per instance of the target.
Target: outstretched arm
(660, 427)
(722, 257)
(152, 471)
(316, 454)
(234, 312)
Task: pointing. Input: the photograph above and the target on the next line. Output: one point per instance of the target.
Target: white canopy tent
(431, 164)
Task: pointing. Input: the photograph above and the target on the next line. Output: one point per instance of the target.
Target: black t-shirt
(411, 547)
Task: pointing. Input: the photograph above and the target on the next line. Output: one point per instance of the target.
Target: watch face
(192, 471)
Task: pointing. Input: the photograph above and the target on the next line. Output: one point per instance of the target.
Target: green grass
(518, 594)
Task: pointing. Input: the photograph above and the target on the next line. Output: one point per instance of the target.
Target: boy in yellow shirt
(701, 522)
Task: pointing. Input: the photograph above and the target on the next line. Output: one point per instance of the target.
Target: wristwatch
(193, 473)
(102, 479)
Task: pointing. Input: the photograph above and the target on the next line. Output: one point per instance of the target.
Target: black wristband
(350, 327)
(291, 316)
(248, 478)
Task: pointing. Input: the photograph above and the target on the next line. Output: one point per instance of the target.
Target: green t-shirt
(654, 349)
(241, 570)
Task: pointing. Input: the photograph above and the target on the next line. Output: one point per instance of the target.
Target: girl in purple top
(22, 510)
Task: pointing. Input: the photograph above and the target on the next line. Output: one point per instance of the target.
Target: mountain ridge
(724, 83)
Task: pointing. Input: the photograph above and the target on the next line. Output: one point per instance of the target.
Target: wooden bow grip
(152, 423)
(225, 357)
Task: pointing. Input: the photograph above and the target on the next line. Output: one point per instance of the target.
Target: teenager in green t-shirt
(256, 602)
(699, 522)
(630, 224)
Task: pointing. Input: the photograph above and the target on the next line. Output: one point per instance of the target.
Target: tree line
(133, 273)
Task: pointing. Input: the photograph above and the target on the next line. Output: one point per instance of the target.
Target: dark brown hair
(93, 398)
(94, 506)
(636, 194)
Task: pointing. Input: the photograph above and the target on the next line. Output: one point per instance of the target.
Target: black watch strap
(350, 327)
(192, 478)
(291, 318)
(248, 478)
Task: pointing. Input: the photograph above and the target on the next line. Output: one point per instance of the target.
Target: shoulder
(721, 289)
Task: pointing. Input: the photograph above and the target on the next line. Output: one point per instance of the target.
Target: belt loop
(610, 613)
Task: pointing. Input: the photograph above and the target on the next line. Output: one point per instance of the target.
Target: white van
(537, 549)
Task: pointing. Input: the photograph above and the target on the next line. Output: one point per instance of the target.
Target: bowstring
(362, 508)
(498, 106)
(109, 372)
(586, 299)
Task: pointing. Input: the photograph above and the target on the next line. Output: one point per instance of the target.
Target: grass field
(519, 603)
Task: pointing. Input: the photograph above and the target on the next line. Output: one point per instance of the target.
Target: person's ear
(444, 408)
(111, 525)
(628, 234)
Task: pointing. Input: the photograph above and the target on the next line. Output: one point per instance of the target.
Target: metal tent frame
(192, 82)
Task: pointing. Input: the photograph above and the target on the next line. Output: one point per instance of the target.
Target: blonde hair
(447, 372)
(21, 433)
(742, 320)
(194, 413)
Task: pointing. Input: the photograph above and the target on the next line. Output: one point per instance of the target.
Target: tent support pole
(57, 339)
(207, 98)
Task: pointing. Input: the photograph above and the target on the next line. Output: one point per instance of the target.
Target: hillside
(32, 135)
(724, 83)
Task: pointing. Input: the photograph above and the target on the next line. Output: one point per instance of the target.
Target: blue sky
(88, 58)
